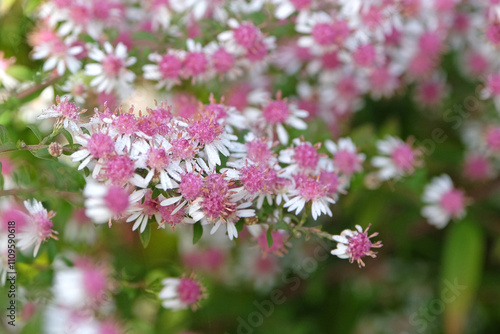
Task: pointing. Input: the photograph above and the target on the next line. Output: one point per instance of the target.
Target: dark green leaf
(43, 154)
(282, 225)
(68, 137)
(269, 238)
(146, 236)
(462, 266)
(35, 130)
(239, 225)
(197, 232)
(4, 135)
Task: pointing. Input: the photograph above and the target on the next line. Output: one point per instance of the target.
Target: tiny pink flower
(355, 245)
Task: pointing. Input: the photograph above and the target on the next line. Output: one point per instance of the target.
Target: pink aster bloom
(181, 293)
(166, 69)
(104, 203)
(398, 159)
(111, 71)
(38, 228)
(308, 189)
(355, 245)
(67, 113)
(346, 158)
(444, 202)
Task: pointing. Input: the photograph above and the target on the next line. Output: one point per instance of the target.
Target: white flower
(444, 201)
(104, 203)
(111, 72)
(38, 228)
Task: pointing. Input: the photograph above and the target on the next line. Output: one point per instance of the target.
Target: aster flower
(346, 158)
(166, 68)
(355, 244)
(38, 228)
(181, 293)
(79, 287)
(309, 189)
(111, 71)
(68, 114)
(444, 202)
(401, 159)
(60, 54)
(274, 115)
(104, 203)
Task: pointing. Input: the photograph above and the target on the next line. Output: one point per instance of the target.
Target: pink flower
(355, 244)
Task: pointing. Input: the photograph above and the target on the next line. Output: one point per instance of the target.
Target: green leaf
(281, 225)
(145, 35)
(35, 130)
(239, 225)
(7, 147)
(197, 232)
(269, 238)
(68, 137)
(4, 135)
(20, 72)
(43, 154)
(146, 236)
(462, 266)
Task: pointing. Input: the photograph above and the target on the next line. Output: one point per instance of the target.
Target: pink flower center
(182, 149)
(258, 151)
(222, 60)
(328, 34)
(205, 131)
(493, 33)
(257, 52)
(100, 145)
(246, 35)
(158, 158)
(359, 246)
(195, 63)
(168, 217)
(301, 4)
(324, 34)
(430, 43)
(170, 66)
(189, 291)
(453, 202)
(493, 139)
(190, 187)
(330, 60)
(347, 88)
(364, 55)
(252, 178)
(477, 63)
(119, 169)
(112, 65)
(493, 84)
(95, 283)
(44, 225)
(403, 157)
(69, 110)
(117, 200)
(215, 183)
(306, 156)
(310, 189)
(276, 112)
(125, 123)
(477, 167)
(373, 18)
(330, 181)
(347, 162)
